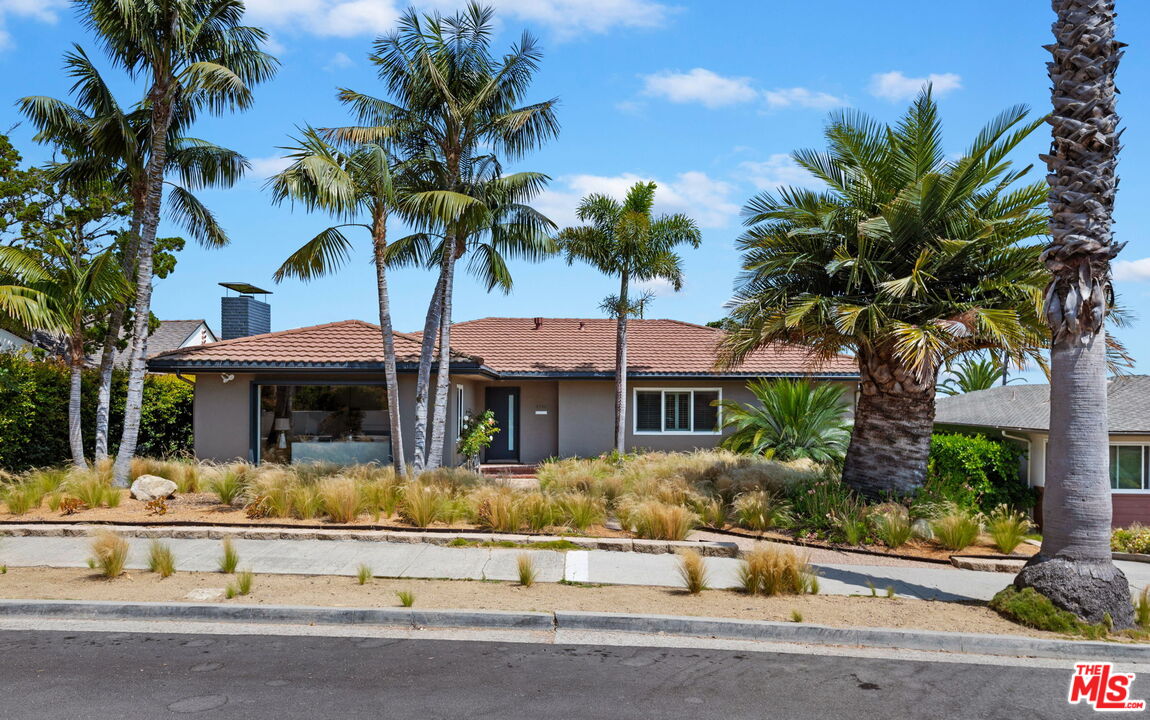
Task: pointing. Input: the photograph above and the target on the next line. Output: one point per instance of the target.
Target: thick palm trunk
(894, 418)
(621, 367)
(423, 376)
(75, 396)
(150, 220)
(379, 245)
(115, 327)
(1074, 567)
(443, 372)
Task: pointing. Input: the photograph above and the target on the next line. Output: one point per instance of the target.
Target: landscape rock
(150, 487)
(921, 529)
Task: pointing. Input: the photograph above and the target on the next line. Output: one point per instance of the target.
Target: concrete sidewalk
(416, 560)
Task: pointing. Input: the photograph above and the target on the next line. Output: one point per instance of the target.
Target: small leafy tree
(478, 434)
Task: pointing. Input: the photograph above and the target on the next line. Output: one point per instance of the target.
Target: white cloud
(699, 86)
(264, 167)
(896, 86)
(1131, 270)
(694, 193)
(348, 18)
(338, 62)
(659, 287)
(41, 10)
(778, 169)
(802, 97)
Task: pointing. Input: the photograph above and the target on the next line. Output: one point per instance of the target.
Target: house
(317, 393)
(10, 342)
(1021, 413)
(171, 335)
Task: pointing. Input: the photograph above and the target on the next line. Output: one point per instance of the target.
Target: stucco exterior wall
(221, 417)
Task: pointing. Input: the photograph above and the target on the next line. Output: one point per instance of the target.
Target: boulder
(150, 487)
(921, 529)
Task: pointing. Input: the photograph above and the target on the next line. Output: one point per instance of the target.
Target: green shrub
(34, 413)
(975, 473)
(818, 505)
(1133, 539)
(1032, 609)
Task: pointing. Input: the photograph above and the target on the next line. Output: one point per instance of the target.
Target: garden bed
(837, 611)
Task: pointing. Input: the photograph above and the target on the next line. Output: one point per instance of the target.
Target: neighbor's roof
(1027, 407)
(170, 335)
(350, 343)
(586, 346)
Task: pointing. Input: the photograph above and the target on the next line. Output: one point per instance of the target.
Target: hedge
(976, 472)
(34, 413)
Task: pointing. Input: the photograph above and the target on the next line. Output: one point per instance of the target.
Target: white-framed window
(676, 411)
(1129, 467)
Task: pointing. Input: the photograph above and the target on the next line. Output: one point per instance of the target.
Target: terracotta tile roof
(515, 346)
(338, 344)
(587, 345)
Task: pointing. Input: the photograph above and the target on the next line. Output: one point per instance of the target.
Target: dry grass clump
(1007, 528)
(89, 488)
(23, 497)
(496, 509)
(693, 570)
(229, 557)
(955, 529)
(655, 520)
(891, 524)
(161, 559)
(406, 597)
(776, 571)
(109, 554)
(581, 511)
(423, 505)
(527, 571)
(340, 498)
(230, 482)
(363, 574)
(594, 477)
(713, 512)
(379, 492)
(453, 480)
(760, 510)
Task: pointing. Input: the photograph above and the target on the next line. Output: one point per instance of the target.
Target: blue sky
(706, 98)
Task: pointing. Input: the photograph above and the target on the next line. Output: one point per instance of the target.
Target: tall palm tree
(451, 102)
(907, 259)
(106, 143)
(71, 287)
(347, 184)
(1074, 567)
(495, 225)
(192, 55)
(623, 239)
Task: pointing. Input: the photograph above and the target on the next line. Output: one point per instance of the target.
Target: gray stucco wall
(221, 417)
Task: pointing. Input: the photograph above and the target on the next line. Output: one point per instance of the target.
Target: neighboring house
(1022, 413)
(317, 393)
(11, 342)
(172, 335)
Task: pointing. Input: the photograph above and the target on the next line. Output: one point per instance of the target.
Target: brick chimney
(242, 315)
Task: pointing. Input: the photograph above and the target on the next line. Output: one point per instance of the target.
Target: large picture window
(676, 411)
(341, 424)
(1130, 467)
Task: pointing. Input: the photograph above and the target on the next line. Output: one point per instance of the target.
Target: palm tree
(452, 102)
(193, 55)
(907, 259)
(106, 143)
(346, 184)
(623, 239)
(70, 287)
(1074, 567)
(495, 225)
(973, 373)
(793, 420)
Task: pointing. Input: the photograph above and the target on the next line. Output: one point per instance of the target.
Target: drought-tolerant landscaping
(662, 496)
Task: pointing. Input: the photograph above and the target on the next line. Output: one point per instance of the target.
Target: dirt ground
(78, 584)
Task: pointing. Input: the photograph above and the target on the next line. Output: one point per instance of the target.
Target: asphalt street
(78, 675)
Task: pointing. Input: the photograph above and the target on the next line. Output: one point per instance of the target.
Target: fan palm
(623, 239)
(974, 373)
(450, 98)
(349, 184)
(108, 143)
(497, 225)
(1074, 567)
(793, 420)
(908, 258)
(70, 287)
(193, 55)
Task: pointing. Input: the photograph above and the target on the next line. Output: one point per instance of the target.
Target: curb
(439, 537)
(753, 630)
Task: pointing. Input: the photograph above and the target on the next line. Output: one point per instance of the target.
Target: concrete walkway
(415, 560)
